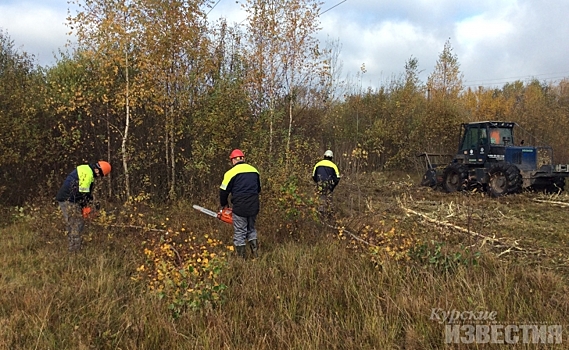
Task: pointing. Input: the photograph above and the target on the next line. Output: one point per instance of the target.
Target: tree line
(164, 95)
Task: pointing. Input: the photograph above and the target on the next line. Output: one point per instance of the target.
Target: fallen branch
(446, 224)
(349, 233)
(563, 204)
(504, 252)
(133, 227)
(494, 241)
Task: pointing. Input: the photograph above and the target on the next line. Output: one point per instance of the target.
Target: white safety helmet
(328, 154)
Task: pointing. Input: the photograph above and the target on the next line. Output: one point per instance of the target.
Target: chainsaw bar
(205, 211)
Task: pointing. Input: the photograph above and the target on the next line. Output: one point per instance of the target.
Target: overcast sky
(496, 41)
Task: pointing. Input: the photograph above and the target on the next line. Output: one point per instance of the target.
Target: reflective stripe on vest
(326, 162)
(236, 170)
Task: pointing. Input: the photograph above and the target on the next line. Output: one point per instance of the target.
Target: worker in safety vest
(326, 176)
(75, 196)
(243, 182)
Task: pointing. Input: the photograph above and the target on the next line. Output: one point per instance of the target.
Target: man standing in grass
(76, 194)
(243, 182)
(326, 176)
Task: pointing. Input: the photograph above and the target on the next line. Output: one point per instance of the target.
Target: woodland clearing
(155, 277)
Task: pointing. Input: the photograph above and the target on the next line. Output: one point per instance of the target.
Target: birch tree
(446, 79)
(302, 59)
(177, 49)
(107, 33)
(444, 86)
(283, 55)
(161, 47)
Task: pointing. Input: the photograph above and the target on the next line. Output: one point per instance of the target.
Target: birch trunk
(125, 136)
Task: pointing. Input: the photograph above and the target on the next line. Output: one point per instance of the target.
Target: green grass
(310, 289)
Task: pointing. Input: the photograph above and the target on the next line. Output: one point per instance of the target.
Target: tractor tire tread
(460, 172)
(512, 176)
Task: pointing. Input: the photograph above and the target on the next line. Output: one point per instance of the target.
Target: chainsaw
(225, 214)
(87, 213)
(91, 212)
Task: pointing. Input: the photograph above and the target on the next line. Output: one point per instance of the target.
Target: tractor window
(501, 136)
(473, 138)
(483, 138)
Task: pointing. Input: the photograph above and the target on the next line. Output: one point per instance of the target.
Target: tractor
(488, 159)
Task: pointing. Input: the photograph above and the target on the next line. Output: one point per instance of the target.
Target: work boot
(254, 248)
(241, 251)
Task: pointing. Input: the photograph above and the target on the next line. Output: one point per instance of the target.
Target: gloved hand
(221, 209)
(226, 215)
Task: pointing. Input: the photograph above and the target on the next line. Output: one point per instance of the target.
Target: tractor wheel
(455, 177)
(505, 178)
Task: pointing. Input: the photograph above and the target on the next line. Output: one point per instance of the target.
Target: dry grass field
(381, 274)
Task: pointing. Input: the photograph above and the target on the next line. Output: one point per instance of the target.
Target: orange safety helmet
(105, 167)
(236, 153)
